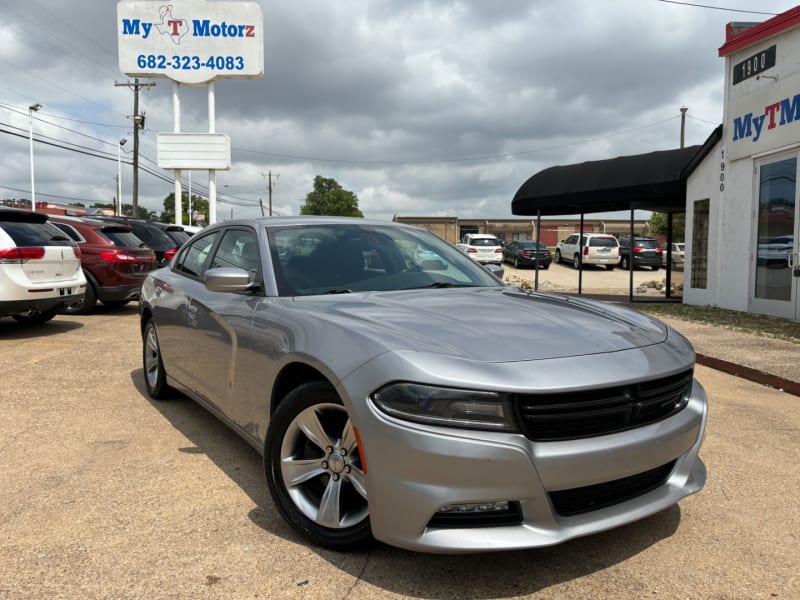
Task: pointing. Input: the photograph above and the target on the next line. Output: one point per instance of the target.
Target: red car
(114, 260)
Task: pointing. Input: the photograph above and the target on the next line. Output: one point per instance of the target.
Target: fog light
(482, 507)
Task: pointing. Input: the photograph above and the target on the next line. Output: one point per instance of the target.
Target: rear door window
(70, 231)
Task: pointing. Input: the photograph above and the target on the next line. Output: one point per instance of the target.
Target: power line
(752, 12)
(479, 158)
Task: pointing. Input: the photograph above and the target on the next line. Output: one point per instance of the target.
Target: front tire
(313, 468)
(155, 377)
(516, 262)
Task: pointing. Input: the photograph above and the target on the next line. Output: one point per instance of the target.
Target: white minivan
(40, 267)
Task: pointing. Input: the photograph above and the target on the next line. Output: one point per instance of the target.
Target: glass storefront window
(776, 219)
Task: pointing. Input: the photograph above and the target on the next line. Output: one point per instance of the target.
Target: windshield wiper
(444, 284)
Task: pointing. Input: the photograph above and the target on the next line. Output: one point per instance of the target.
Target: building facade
(742, 209)
(452, 229)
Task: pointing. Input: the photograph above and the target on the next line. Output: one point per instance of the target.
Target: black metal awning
(654, 181)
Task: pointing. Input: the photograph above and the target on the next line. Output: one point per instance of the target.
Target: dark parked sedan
(363, 377)
(527, 254)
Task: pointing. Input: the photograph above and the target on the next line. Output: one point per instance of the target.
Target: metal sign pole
(212, 174)
(176, 118)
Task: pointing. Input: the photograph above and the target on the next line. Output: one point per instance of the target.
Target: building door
(776, 277)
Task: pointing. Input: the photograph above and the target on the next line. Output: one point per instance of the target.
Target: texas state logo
(171, 26)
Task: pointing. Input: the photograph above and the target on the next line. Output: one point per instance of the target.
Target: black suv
(162, 238)
(646, 253)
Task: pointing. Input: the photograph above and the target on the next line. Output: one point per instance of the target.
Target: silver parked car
(363, 377)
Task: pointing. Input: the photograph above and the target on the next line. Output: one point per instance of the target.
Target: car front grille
(589, 413)
(593, 497)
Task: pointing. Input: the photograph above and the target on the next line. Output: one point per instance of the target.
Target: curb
(755, 375)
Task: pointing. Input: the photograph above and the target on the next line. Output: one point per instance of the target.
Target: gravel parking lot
(107, 494)
(596, 280)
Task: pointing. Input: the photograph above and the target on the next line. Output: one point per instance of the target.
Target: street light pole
(119, 176)
(32, 109)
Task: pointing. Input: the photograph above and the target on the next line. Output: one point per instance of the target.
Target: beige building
(452, 229)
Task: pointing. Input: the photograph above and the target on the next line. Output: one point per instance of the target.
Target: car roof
(16, 214)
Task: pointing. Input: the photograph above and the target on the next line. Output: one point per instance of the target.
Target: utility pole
(138, 123)
(268, 175)
(683, 122)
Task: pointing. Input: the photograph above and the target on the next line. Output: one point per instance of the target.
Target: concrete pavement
(764, 360)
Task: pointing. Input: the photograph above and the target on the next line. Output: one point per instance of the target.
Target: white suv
(40, 267)
(593, 249)
(482, 247)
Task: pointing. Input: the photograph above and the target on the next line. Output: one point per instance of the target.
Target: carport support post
(630, 261)
(538, 241)
(669, 255)
(580, 259)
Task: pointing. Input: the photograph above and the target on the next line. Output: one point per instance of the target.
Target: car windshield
(342, 258)
(485, 242)
(532, 245)
(603, 242)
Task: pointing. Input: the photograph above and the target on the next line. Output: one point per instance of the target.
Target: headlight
(448, 407)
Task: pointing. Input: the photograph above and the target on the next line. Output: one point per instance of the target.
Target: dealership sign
(190, 41)
(765, 119)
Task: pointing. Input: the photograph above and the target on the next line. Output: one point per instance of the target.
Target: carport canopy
(655, 181)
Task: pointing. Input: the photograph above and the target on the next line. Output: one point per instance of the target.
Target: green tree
(199, 204)
(329, 198)
(657, 225)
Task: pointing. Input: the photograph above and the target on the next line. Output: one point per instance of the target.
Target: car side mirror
(228, 279)
(495, 270)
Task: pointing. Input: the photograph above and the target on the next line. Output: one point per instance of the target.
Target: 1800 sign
(754, 65)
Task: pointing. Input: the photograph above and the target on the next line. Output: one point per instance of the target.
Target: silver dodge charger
(399, 391)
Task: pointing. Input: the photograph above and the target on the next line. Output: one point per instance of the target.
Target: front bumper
(415, 470)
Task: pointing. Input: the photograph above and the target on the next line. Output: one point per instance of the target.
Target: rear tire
(656, 267)
(610, 267)
(624, 263)
(516, 262)
(35, 317)
(313, 468)
(576, 262)
(558, 257)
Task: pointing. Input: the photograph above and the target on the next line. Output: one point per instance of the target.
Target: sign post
(191, 42)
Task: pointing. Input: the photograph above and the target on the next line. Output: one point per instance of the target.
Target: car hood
(485, 324)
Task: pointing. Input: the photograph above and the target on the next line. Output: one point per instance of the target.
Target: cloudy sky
(437, 107)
